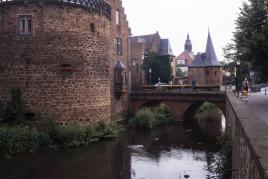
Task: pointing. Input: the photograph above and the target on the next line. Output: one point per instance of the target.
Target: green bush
(21, 139)
(13, 112)
(148, 118)
(162, 114)
(72, 135)
(144, 119)
(207, 106)
(110, 131)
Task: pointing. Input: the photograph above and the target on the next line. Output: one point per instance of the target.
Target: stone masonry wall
(137, 51)
(249, 139)
(206, 75)
(63, 69)
(119, 104)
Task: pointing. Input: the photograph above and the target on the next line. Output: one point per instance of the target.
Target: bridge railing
(100, 6)
(179, 88)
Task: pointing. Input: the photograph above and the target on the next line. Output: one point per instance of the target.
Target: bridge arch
(179, 104)
(192, 109)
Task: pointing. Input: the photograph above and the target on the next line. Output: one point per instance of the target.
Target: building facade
(142, 45)
(183, 61)
(205, 69)
(63, 56)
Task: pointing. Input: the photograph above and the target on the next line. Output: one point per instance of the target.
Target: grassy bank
(18, 139)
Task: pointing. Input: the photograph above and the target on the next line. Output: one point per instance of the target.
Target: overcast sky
(173, 19)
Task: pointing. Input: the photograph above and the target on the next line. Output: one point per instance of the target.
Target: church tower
(188, 45)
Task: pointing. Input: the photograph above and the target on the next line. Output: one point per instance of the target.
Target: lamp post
(237, 77)
(150, 73)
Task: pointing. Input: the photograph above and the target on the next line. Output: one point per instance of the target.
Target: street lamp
(237, 77)
(150, 73)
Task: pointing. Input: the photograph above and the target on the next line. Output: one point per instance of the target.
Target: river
(170, 152)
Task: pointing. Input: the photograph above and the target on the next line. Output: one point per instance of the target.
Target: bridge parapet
(249, 140)
(179, 96)
(181, 88)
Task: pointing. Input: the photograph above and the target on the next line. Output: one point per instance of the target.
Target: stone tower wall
(206, 75)
(63, 68)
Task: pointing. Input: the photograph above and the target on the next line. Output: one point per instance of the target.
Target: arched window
(117, 17)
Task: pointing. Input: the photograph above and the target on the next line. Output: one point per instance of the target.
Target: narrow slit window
(117, 18)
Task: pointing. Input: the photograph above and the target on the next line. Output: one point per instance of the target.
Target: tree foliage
(160, 65)
(250, 42)
(180, 73)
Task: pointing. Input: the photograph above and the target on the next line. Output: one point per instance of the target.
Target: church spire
(188, 44)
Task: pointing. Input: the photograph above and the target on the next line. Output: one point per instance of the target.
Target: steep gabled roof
(198, 60)
(148, 41)
(165, 48)
(144, 38)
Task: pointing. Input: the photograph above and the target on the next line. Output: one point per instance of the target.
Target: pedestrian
(193, 85)
(245, 86)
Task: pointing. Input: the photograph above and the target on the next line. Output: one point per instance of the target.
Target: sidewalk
(259, 104)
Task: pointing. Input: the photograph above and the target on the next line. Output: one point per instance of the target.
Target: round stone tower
(57, 53)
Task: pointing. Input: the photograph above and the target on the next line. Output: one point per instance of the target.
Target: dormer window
(25, 25)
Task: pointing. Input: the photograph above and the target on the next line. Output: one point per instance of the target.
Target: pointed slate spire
(188, 44)
(211, 58)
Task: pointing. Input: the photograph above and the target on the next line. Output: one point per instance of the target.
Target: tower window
(117, 17)
(118, 46)
(25, 25)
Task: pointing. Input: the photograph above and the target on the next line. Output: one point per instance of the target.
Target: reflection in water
(172, 164)
(223, 123)
(165, 153)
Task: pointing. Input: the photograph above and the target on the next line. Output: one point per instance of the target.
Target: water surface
(169, 152)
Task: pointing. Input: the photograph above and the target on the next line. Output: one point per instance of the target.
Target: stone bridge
(248, 134)
(181, 104)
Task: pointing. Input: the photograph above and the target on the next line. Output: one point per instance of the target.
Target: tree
(180, 73)
(250, 41)
(160, 65)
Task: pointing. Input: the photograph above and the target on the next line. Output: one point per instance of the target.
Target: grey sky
(173, 19)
